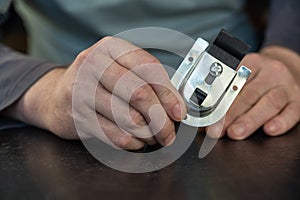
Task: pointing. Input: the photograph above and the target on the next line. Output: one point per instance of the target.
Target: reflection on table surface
(38, 165)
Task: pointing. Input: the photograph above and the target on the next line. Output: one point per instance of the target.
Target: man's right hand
(48, 103)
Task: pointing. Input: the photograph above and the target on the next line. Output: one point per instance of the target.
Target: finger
(266, 108)
(132, 89)
(148, 68)
(216, 130)
(123, 115)
(155, 75)
(215, 134)
(112, 135)
(256, 86)
(243, 102)
(254, 90)
(249, 95)
(287, 119)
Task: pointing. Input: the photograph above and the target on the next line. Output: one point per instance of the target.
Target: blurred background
(13, 33)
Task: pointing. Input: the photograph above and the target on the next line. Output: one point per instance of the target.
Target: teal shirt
(59, 29)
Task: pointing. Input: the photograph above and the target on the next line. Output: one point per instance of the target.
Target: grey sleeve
(17, 73)
(4, 5)
(284, 24)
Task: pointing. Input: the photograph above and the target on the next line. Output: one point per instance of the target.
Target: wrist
(35, 104)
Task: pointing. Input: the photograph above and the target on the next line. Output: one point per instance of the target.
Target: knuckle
(253, 56)
(166, 131)
(150, 59)
(250, 96)
(82, 56)
(106, 38)
(103, 46)
(136, 118)
(106, 41)
(141, 94)
(276, 98)
(144, 58)
(248, 60)
(278, 68)
(167, 96)
(123, 142)
(250, 122)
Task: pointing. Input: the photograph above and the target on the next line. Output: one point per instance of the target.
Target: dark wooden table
(38, 165)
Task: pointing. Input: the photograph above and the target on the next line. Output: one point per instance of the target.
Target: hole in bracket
(235, 88)
(191, 59)
(198, 97)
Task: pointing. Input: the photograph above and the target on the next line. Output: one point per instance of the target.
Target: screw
(216, 69)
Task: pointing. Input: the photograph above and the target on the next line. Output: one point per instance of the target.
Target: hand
(48, 103)
(270, 98)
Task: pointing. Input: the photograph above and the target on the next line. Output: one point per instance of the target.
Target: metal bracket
(208, 85)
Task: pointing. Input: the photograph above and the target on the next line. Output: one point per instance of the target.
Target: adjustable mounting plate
(207, 79)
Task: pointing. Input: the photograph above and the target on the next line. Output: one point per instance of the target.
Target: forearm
(18, 73)
(282, 35)
(283, 25)
(34, 106)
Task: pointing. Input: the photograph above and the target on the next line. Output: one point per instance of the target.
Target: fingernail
(238, 130)
(177, 112)
(170, 139)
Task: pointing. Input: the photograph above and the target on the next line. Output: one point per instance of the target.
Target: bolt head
(216, 69)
